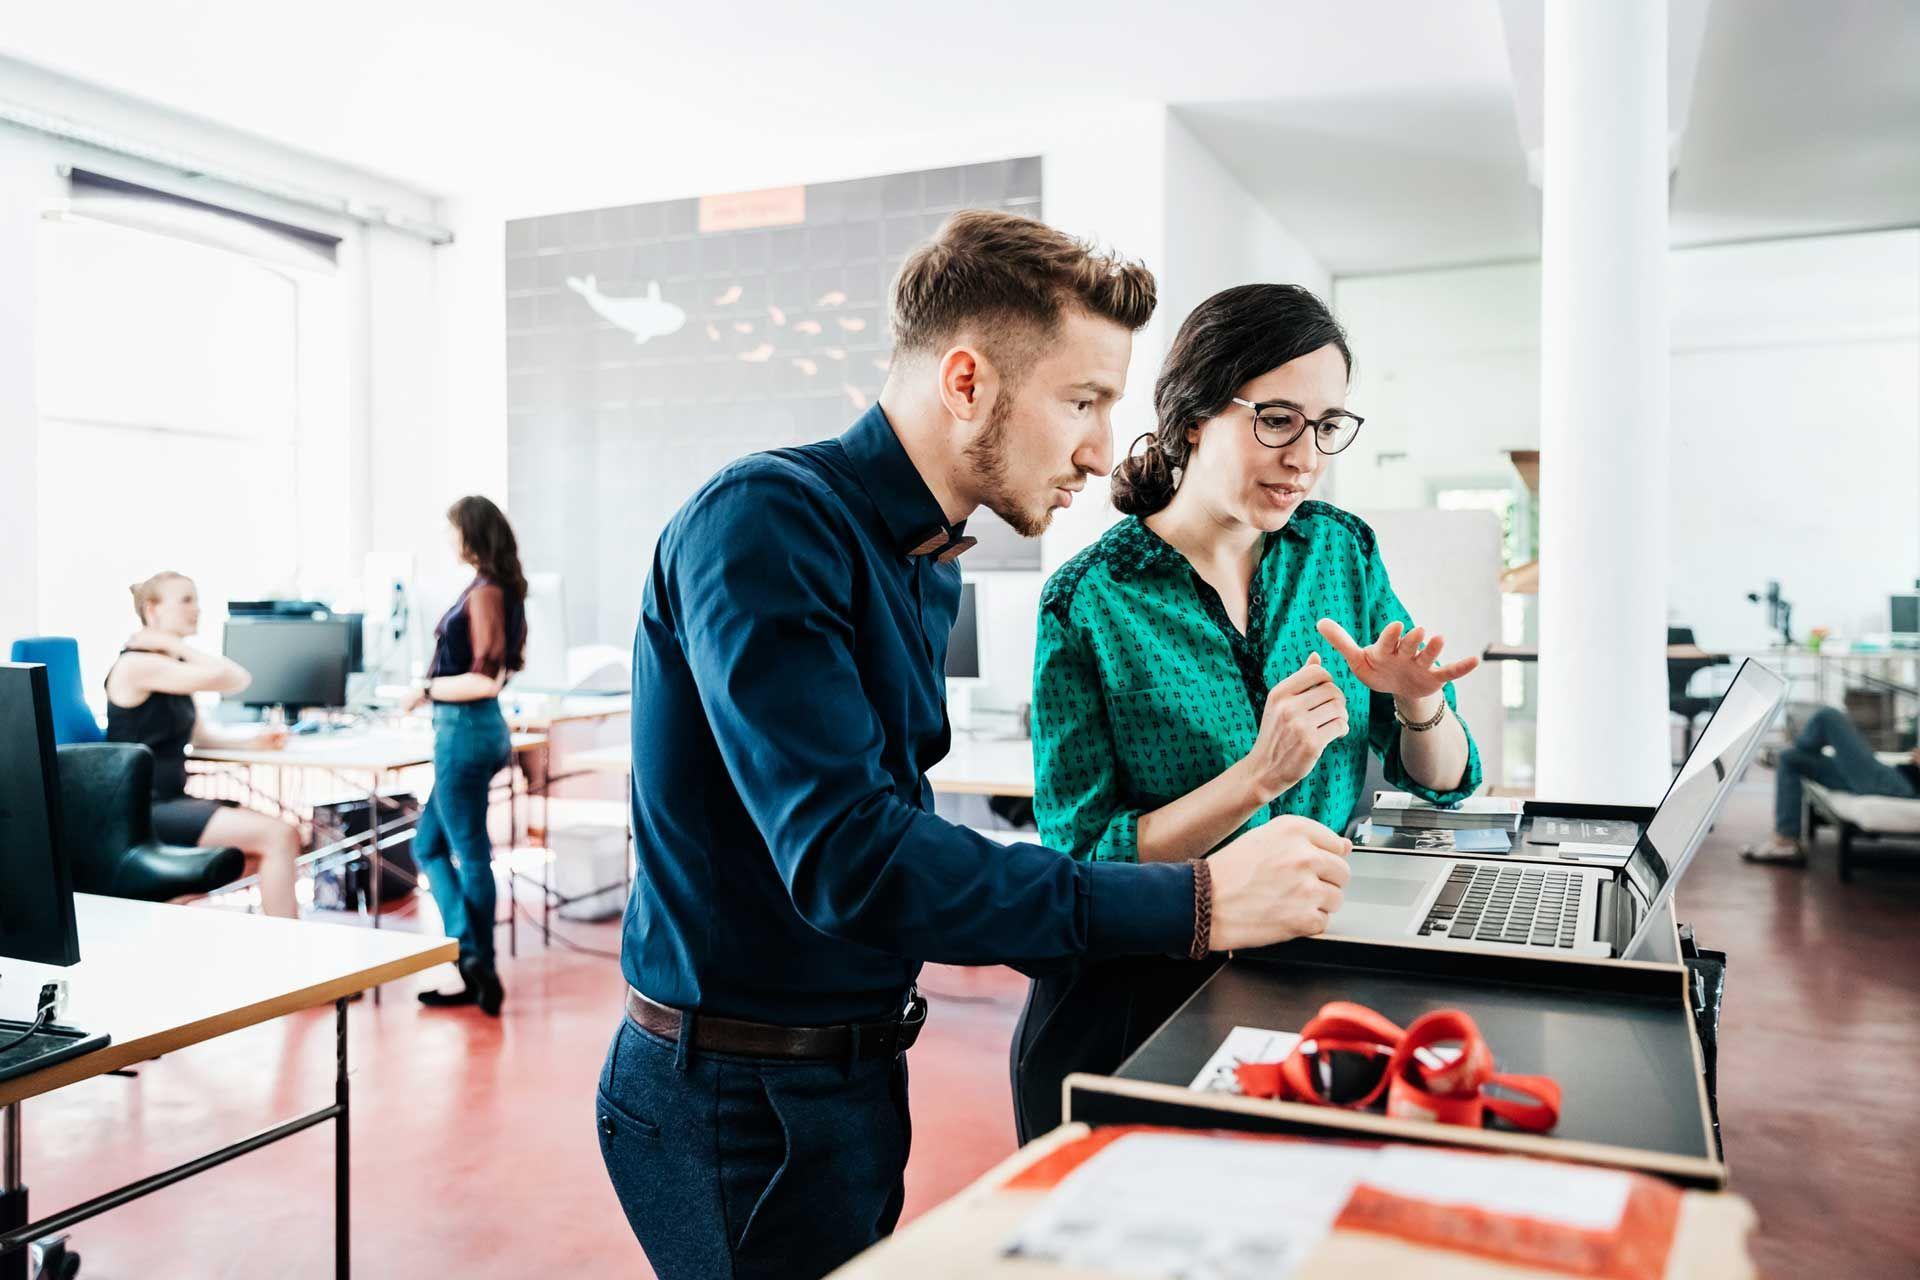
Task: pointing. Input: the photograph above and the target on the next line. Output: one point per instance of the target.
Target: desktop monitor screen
(963, 646)
(36, 891)
(294, 662)
(1906, 613)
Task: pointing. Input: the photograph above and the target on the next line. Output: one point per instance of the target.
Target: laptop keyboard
(1530, 906)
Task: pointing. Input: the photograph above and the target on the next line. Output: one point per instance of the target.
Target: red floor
(474, 1151)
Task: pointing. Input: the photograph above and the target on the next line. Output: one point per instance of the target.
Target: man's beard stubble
(988, 454)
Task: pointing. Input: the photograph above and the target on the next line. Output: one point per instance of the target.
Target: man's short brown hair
(1007, 279)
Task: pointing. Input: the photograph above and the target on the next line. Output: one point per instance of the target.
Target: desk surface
(538, 711)
(1531, 653)
(349, 749)
(159, 978)
(985, 767)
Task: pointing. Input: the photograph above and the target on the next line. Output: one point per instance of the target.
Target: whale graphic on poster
(645, 317)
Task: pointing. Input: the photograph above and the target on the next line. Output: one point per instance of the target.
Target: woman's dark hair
(489, 543)
(1229, 340)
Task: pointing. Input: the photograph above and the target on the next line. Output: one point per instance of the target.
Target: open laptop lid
(1698, 791)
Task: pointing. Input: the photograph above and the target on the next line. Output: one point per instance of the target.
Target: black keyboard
(1533, 907)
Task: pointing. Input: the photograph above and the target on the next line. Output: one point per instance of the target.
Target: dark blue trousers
(1851, 767)
(733, 1168)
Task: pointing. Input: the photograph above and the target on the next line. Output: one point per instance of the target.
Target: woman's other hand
(1404, 664)
(1303, 714)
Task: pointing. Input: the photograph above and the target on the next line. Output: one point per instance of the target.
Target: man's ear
(967, 381)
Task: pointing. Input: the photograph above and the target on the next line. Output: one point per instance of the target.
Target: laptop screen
(1694, 799)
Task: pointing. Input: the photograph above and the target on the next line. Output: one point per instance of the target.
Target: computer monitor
(963, 645)
(1904, 607)
(36, 888)
(294, 662)
(306, 611)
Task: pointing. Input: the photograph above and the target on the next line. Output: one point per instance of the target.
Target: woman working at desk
(480, 642)
(150, 692)
(1197, 672)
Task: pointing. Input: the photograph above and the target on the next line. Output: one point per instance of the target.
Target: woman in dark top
(480, 641)
(150, 701)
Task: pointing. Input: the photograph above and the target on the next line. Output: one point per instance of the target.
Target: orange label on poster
(745, 210)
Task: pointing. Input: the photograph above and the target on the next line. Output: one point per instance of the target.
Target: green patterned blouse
(1143, 689)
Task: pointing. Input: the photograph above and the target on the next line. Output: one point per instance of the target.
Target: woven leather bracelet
(1202, 910)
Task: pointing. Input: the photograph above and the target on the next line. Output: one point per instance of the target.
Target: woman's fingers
(1343, 644)
(1458, 669)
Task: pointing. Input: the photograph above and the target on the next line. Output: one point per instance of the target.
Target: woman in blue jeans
(480, 642)
(1831, 752)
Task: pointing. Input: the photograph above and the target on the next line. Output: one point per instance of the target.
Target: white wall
(390, 322)
(1795, 428)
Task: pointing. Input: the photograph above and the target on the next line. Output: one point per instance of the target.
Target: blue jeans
(1851, 767)
(733, 1168)
(470, 745)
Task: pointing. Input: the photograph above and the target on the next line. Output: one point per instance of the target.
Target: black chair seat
(106, 802)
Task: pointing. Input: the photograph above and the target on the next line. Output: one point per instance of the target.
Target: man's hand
(1281, 880)
(1304, 712)
(1403, 665)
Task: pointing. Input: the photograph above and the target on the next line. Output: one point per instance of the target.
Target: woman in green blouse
(1197, 672)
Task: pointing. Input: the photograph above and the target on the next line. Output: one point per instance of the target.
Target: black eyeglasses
(1277, 424)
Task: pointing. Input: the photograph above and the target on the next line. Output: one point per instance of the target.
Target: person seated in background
(1196, 672)
(1831, 752)
(150, 692)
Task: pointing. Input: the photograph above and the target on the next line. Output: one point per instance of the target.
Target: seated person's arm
(160, 663)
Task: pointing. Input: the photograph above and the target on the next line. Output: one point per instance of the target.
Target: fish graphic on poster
(645, 317)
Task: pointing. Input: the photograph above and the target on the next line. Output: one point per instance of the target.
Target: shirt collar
(1137, 550)
(906, 505)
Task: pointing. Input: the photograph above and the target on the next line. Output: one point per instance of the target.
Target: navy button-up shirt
(788, 699)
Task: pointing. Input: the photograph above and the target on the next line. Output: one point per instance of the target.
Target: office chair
(106, 808)
(1680, 674)
(72, 719)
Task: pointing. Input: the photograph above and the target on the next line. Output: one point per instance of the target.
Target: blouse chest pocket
(1169, 740)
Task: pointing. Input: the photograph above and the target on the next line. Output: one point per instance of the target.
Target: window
(191, 401)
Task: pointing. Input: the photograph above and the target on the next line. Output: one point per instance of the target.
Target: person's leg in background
(276, 844)
(470, 745)
(433, 856)
(1831, 752)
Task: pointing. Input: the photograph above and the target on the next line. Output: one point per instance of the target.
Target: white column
(1604, 404)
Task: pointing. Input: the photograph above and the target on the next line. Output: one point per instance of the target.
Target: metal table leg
(342, 1138)
(13, 1193)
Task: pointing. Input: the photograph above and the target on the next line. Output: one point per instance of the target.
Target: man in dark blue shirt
(788, 702)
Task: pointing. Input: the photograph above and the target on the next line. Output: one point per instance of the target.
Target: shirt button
(606, 1125)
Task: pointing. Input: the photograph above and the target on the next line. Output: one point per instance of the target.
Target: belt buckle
(912, 1019)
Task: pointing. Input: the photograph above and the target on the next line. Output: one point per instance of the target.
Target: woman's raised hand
(1402, 663)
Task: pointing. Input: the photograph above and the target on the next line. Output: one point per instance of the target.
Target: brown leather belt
(766, 1040)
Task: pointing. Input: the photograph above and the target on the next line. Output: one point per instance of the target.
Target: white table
(985, 767)
(158, 979)
(375, 755)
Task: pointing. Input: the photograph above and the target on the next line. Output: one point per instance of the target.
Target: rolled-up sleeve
(1077, 792)
(765, 625)
(1383, 607)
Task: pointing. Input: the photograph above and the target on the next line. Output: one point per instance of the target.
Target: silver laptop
(1559, 907)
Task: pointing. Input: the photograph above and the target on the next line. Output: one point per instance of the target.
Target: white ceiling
(1382, 132)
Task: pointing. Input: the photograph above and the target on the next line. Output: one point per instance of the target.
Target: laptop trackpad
(1386, 891)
